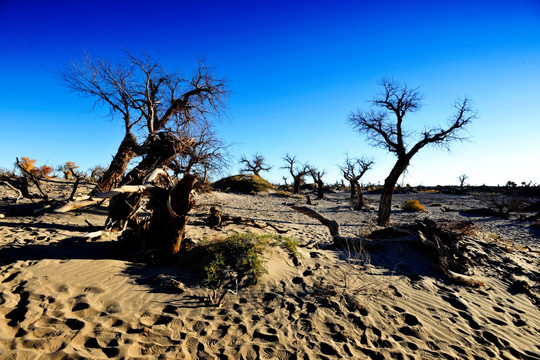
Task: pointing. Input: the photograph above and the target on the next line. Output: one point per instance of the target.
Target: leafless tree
(153, 104)
(297, 171)
(208, 154)
(462, 179)
(383, 126)
(256, 165)
(353, 170)
(96, 173)
(317, 179)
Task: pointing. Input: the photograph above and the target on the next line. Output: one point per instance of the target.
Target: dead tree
(297, 171)
(26, 176)
(462, 179)
(256, 165)
(317, 179)
(353, 170)
(383, 126)
(157, 236)
(148, 100)
(208, 153)
(96, 173)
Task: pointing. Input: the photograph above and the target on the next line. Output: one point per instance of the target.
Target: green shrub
(239, 257)
(413, 205)
(244, 184)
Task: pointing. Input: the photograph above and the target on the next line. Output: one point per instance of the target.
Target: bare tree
(206, 155)
(256, 165)
(153, 104)
(297, 171)
(96, 173)
(317, 179)
(353, 170)
(462, 179)
(383, 126)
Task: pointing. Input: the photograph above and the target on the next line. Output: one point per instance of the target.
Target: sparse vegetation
(413, 205)
(243, 184)
(239, 258)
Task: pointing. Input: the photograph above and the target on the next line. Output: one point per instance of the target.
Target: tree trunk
(360, 200)
(126, 152)
(320, 189)
(353, 189)
(385, 204)
(296, 184)
(158, 236)
(161, 151)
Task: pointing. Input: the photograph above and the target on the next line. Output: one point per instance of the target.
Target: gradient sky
(296, 70)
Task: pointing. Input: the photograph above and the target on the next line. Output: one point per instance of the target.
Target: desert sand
(65, 296)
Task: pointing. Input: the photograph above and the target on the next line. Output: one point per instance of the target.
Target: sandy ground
(62, 296)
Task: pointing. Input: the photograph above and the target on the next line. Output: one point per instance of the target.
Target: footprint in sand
(456, 303)
(266, 335)
(472, 323)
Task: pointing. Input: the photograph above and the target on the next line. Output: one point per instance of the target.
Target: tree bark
(161, 149)
(320, 189)
(361, 201)
(125, 153)
(296, 184)
(385, 204)
(353, 189)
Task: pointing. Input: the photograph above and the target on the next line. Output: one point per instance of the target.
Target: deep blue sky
(296, 70)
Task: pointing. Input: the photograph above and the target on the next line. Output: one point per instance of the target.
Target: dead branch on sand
(442, 246)
(217, 220)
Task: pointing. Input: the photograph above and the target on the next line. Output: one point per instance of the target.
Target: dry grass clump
(413, 205)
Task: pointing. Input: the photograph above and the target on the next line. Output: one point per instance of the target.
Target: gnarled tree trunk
(161, 149)
(127, 150)
(385, 204)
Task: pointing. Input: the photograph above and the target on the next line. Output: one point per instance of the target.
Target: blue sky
(296, 71)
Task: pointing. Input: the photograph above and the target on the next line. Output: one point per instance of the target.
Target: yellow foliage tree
(68, 168)
(28, 164)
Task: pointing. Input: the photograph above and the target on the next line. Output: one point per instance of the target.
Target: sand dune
(62, 296)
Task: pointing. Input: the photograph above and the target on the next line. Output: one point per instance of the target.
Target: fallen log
(218, 220)
(19, 192)
(451, 262)
(345, 241)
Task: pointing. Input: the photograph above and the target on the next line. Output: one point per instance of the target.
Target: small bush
(413, 205)
(288, 244)
(239, 258)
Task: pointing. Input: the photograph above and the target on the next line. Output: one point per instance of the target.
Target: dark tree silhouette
(353, 170)
(154, 105)
(256, 165)
(317, 179)
(297, 171)
(462, 179)
(383, 126)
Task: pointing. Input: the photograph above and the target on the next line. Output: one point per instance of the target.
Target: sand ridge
(64, 297)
